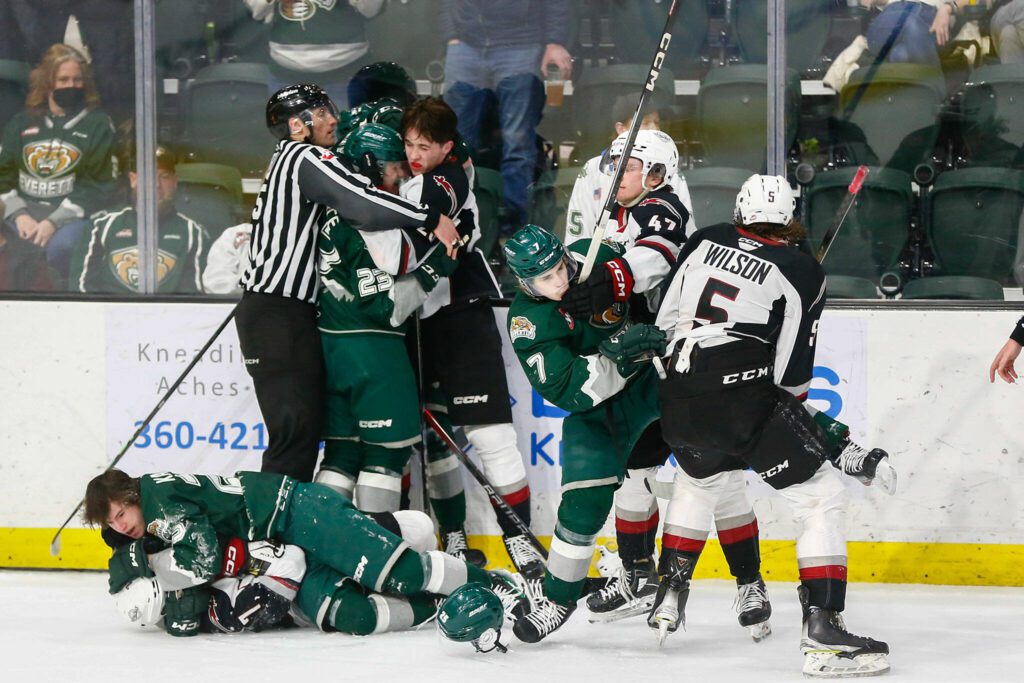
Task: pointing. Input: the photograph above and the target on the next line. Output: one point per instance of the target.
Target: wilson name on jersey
(730, 284)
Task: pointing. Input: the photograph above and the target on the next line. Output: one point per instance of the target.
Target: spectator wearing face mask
(56, 162)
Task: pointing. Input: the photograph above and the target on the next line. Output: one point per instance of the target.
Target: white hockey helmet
(765, 199)
(141, 601)
(656, 149)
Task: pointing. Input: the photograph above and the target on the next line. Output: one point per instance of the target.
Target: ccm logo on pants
(772, 471)
(746, 375)
(372, 424)
(466, 400)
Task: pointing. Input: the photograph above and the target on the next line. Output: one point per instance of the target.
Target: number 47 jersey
(731, 284)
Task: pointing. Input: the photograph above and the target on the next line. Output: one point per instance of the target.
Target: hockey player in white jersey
(741, 310)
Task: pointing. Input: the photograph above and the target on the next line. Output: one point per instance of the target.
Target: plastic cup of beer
(554, 86)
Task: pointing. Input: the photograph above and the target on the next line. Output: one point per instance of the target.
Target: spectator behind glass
(107, 259)
(903, 31)
(316, 41)
(22, 265)
(228, 259)
(56, 163)
(1007, 27)
(503, 47)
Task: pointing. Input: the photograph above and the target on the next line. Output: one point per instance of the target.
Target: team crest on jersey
(166, 530)
(610, 316)
(522, 328)
(124, 264)
(302, 10)
(443, 183)
(49, 158)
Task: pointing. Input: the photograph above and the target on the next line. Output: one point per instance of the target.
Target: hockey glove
(129, 562)
(184, 608)
(263, 558)
(606, 286)
(437, 265)
(632, 346)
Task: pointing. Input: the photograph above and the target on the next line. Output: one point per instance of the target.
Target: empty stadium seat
(13, 88)
(636, 28)
(888, 114)
(974, 220)
(210, 194)
(877, 227)
(713, 192)
(850, 287)
(953, 287)
(224, 116)
(807, 27)
(732, 111)
(1006, 87)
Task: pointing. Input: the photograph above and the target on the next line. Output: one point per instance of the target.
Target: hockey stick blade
(851, 196)
(498, 501)
(634, 128)
(55, 543)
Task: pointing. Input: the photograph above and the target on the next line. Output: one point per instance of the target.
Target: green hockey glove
(184, 609)
(837, 435)
(436, 266)
(634, 344)
(129, 562)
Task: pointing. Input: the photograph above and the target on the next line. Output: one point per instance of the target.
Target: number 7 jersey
(731, 284)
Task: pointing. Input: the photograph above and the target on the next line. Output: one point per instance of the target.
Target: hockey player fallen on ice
(611, 402)
(741, 311)
(264, 585)
(192, 513)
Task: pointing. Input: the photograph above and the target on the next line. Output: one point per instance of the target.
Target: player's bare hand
(1003, 363)
(26, 226)
(447, 235)
(560, 57)
(940, 27)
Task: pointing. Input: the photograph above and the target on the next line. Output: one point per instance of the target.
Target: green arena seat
(636, 27)
(713, 192)
(850, 287)
(953, 287)
(13, 89)
(210, 194)
(391, 39)
(808, 23)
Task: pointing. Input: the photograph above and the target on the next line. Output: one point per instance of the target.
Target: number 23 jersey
(732, 284)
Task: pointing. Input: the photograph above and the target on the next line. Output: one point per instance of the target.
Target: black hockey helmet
(296, 100)
(382, 79)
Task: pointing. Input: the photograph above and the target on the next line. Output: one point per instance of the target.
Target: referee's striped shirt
(304, 179)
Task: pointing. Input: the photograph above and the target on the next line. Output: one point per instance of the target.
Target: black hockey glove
(608, 284)
(129, 562)
(184, 609)
(635, 344)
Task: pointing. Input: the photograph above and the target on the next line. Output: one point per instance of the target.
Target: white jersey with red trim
(731, 284)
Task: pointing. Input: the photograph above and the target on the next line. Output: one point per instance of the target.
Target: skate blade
(662, 632)
(635, 610)
(760, 631)
(885, 475)
(831, 664)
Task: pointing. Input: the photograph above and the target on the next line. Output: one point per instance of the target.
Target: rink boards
(76, 377)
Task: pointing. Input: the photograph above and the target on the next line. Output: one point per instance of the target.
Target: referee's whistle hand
(447, 235)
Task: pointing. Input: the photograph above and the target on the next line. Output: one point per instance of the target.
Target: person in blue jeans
(504, 47)
(903, 31)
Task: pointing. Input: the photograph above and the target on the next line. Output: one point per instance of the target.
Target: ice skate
(668, 613)
(454, 543)
(524, 556)
(754, 609)
(830, 651)
(543, 618)
(630, 592)
(868, 466)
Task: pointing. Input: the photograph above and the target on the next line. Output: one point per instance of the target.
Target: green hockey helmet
(370, 146)
(472, 613)
(381, 79)
(533, 252)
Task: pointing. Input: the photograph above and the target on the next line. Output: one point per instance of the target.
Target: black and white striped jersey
(301, 182)
(730, 284)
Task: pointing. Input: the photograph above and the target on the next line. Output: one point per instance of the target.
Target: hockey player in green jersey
(372, 410)
(585, 367)
(107, 258)
(193, 513)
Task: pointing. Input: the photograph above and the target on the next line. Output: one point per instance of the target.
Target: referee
(276, 318)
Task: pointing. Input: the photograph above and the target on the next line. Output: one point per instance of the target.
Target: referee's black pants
(281, 349)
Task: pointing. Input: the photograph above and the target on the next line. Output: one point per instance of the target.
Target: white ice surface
(62, 626)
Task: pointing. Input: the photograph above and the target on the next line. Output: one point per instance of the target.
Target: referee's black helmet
(296, 100)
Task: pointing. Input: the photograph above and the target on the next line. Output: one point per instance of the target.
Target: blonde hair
(42, 78)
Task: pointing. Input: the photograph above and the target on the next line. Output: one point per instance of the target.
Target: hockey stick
(55, 543)
(634, 128)
(844, 209)
(498, 501)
